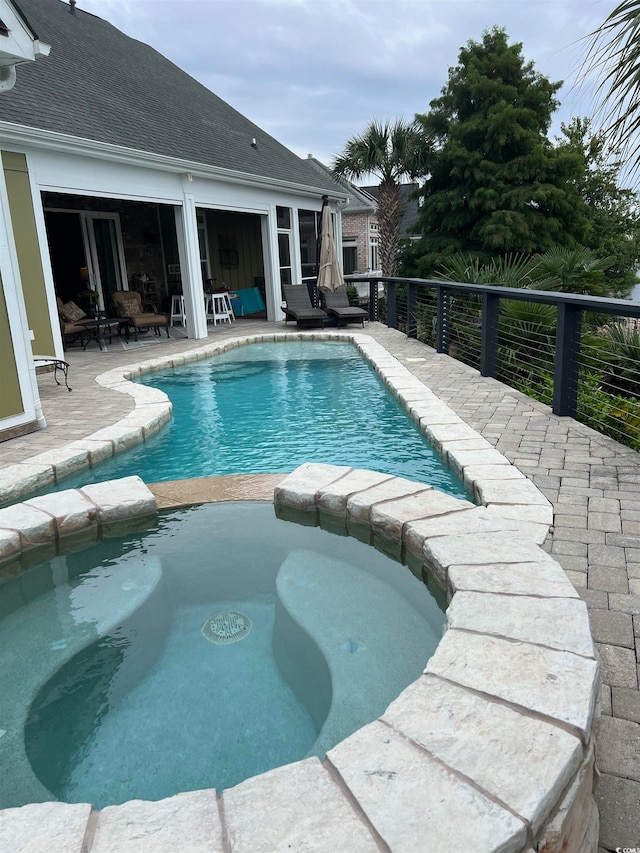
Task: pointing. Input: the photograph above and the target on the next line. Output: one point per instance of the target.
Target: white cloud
(315, 72)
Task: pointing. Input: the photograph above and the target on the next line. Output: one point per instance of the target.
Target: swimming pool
(267, 408)
(120, 694)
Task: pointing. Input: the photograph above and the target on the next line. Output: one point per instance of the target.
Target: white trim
(15, 134)
(191, 271)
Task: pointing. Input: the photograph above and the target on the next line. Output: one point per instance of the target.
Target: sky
(314, 73)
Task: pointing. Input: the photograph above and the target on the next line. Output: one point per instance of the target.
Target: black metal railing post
(412, 302)
(373, 300)
(489, 350)
(392, 314)
(567, 358)
(443, 320)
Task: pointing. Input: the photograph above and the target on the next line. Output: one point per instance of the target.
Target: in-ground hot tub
(492, 743)
(217, 646)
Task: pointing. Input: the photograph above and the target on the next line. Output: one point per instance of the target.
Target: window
(283, 221)
(309, 230)
(203, 243)
(349, 257)
(374, 261)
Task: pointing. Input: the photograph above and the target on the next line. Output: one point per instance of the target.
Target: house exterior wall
(10, 395)
(360, 226)
(26, 239)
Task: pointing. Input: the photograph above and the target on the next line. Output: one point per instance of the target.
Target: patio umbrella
(329, 272)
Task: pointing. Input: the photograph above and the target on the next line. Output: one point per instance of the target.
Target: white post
(190, 271)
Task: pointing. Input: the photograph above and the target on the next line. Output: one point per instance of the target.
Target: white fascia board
(15, 134)
(22, 44)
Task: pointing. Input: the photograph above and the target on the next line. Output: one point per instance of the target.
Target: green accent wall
(16, 175)
(10, 396)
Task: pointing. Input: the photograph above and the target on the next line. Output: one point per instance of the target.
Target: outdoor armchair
(128, 305)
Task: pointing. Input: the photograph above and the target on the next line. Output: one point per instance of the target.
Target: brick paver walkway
(592, 481)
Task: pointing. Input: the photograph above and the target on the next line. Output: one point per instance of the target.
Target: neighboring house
(359, 226)
(120, 171)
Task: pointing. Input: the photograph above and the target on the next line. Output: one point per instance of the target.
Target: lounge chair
(299, 307)
(70, 316)
(128, 305)
(337, 304)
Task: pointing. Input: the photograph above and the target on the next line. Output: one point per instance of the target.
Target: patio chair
(69, 316)
(128, 305)
(337, 304)
(299, 306)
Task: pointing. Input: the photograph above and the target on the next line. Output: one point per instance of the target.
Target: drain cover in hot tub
(227, 627)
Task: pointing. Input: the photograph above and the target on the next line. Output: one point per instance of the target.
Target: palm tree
(392, 153)
(614, 54)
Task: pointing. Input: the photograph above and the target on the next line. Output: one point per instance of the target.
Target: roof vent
(254, 143)
(72, 6)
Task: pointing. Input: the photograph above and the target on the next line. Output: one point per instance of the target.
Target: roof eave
(49, 140)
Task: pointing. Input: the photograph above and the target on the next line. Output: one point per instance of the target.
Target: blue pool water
(267, 408)
(111, 691)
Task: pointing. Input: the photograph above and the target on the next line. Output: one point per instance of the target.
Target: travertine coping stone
(120, 499)
(70, 509)
(470, 519)
(64, 460)
(333, 498)
(575, 824)
(186, 822)
(50, 519)
(359, 504)
(534, 513)
(34, 526)
(122, 437)
(98, 450)
(150, 417)
(558, 684)
(298, 807)
(450, 722)
(388, 518)
(479, 548)
(415, 802)
(23, 478)
(459, 459)
(10, 545)
(544, 579)
(300, 488)
(491, 472)
(510, 492)
(477, 443)
(560, 623)
(440, 433)
(40, 827)
(419, 392)
(432, 411)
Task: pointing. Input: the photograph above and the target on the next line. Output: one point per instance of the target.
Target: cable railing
(579, 354)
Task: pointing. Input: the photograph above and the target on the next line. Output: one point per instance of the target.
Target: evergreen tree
(496, 182)
(613, 221)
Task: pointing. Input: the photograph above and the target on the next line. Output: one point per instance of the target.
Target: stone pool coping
(490, 749)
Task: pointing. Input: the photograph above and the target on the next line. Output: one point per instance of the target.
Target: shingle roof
(101, 85)
(410, 215)
(359, 200)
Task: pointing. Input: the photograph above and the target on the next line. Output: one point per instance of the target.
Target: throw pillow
(72, 312)
(129, 307)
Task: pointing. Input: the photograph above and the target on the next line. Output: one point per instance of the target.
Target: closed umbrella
(330, 276)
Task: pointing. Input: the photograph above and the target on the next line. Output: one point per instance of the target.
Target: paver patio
(592, 481)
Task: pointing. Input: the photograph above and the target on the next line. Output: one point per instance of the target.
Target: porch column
(190, 271)
(273, 291)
